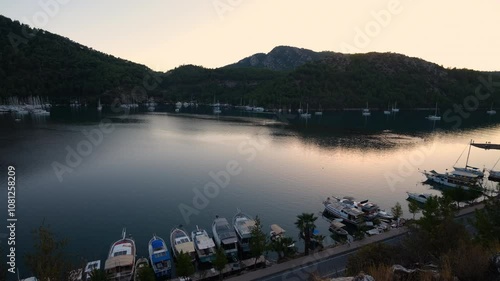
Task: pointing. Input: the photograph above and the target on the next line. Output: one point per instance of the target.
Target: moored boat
(141, 264)
(338, 209)
(453, 180)
(181, 242)
(419, 197)
(338, 228)
(204, 245)
(120, 264)
(225, 236)
(159, 257)
(90, 267)
(243, 226)
(278, 233)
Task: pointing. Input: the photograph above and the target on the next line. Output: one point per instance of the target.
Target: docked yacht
(121, 259)
(348, 214)
(159, 257)
(225, 236)
(456, 179)
(419, 197)
(204, 245)
(243, 226)
(181, 242)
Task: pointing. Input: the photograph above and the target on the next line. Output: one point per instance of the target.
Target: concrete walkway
(331, 252)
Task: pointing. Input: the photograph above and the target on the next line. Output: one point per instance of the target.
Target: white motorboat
(225, 236)
(419, 197)
(243, 225)
(181, 242)
(120, 264)
(204, 245)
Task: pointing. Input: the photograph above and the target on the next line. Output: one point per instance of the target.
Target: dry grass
(381, 272)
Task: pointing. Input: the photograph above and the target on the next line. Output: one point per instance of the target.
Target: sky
(164, 34)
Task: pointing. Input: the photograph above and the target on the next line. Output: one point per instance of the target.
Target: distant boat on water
(395, 108)
(491, 111)
(434, 117)
(366, 111)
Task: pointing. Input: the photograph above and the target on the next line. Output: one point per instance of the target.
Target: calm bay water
(149, 164)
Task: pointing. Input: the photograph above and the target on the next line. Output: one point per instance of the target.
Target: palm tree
(305, 223)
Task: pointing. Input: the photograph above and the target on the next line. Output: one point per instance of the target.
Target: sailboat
(366, 111)
(395, 107)
(491, 111)
(467, 170)
(434, 117)
(216, 107)
(99, 106)
(387, 112)
(307, 114)
(319, 112)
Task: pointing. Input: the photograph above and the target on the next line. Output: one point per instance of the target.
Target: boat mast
(468, 154)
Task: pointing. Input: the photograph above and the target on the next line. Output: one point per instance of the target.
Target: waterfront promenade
(331, 261)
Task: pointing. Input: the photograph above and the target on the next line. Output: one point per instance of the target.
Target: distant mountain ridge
(283, 58)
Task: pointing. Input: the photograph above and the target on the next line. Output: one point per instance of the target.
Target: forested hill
(50, 65)
(37, 62)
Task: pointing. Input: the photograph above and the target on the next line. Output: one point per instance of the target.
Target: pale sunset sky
(164, 34)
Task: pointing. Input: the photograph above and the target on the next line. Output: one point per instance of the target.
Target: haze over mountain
(50, 65)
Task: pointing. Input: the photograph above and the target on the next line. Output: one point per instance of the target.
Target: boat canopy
(337, 224)
(123, 260)
(157, 244)
(277, 229)
(187, 247)
(244, 225)
(203, 242)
